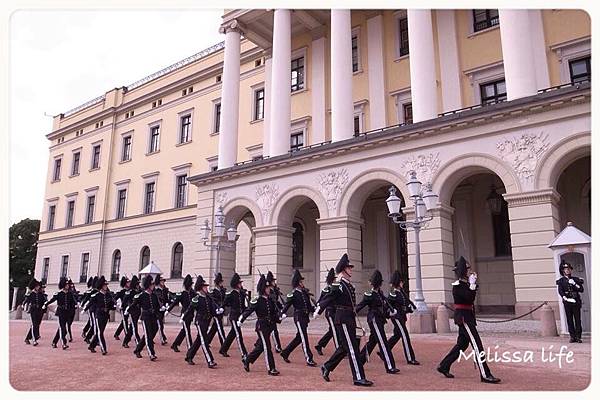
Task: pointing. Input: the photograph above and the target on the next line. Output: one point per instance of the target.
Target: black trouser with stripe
(100, 321)
(346, 334)
(88, 326)
(36, 315)
(329, 334)
(160, 320)
(123, 325)
(185, 332)
(70, 319)
(201, 341)
(400, 332)
(263, 344)
(300, 338)
(467, 334)
(573, 315)
(377, 337)
(216, 327)
(276, 339)
(61, 332)
(150, 328)
(92, 331)
(234, 334)
(132, 330)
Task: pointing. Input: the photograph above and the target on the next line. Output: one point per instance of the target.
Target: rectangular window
(407, 113)
(64, 269)
(355, 53)
(493, 92)
(217, 123)
(186, 129)
(356, 125)
(126, 155)
(483, 19)
(75, 166)
(214, 168)
(96, 157)
(85, 263)
(580, 70)
(297, 141)
(149, 200)
(403, 36)
(51, 216)
(121, 203)
(154, 137)
(45, 268)
(259, 104)
(70, 213)
(91, 204)
(297, 74)
(57, 164)
(181, 191)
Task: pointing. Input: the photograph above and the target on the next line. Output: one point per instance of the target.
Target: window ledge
(74, 175)
(491, 28)
(152, 153)
(300, 91)
(94, 169)
(256, 121)
(124, 161)
(183, 143)
(55, 180)
(359, 71)
(398, 59)
(214, 134)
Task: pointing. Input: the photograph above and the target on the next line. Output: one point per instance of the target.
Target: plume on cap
(343, 263)
(396, 278)
(261, 285)
(188, 281)
(235, 280)
(218, 278)
(330, 276)
(270, 277)
(460, 267)
(135, 282)
(563, 265)
(90, 282)
(124, 281)
(33, 283)
(376, 279)
(200, 282)
(147, 282)
(94, 282)
(62, 283)
(100, 282)
(296, 278)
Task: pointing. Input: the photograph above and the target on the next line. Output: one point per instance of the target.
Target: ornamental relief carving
(523, 153)
(332, 185)
(425, 165)
(265, 197)
(221, 198)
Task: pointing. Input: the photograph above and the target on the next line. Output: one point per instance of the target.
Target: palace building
(298, 124)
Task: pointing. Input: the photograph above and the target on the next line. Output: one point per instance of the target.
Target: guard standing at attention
(132, 312)
(464, 291)
(276, 296)
(101, 303)
(184, 298)
(119, 296)
(569, 288)
(403, 305)
(329, 316)
(162, 293)
(237, 301)
(33, 302)
(149, 307)
(218, 296)
(300, 299)
(64, 303)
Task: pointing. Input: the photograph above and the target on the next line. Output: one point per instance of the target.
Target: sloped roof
(151, 269)
(570, 236)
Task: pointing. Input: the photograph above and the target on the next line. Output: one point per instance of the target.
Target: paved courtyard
(78, 369)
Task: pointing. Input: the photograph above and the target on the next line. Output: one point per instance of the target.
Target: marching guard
(569, 288)
(149, 307)
(86, 307)
(218, 296)
(237, 301)
(206, 309)
(276, 296)
(101, 303)
(266, 318)
(71, 312)
(119, 296)
(329, 316)
(162, 292)
(379, 310)
(400, 301)
(184, 298)
(34, 302)
(464, 290)
(300, 299)
(85, 297)
(343, 297)
(65, 302)
(131, 312)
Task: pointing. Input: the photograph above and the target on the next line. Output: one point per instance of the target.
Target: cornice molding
(543, 196)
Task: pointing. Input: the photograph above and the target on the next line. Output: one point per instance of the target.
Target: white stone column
(538, 43)
(376, 72)
(318, 90)
(449, 66)
(281, 72)
(422, 65)
(342, 105)
(518, 54)
(266, 152)
(230, 97)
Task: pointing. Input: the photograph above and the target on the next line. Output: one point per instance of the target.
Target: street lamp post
(424, 201)
(224, 238)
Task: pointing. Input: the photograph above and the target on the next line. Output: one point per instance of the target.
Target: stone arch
(454, 171)
(236, 208)
(290, 201)
(559, 157)
(361, 186)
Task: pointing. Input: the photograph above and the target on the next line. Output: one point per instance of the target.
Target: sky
(60, 59)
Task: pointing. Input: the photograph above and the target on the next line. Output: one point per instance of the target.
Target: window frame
(300, 86)
(51, 217)
(119, 214)
(356, 34)
(216, 117)
(182, 125)
(70, 214)
(45, 268)
(57, 169)
(255, 103)
(96, 157)
(297, 133)
(114, 273)
(399, 51)
(127, 148)
(154, 127)
(588, 62)
(149, 203)
(405, 106)
(144, 260)
(497, 97)
(64, 268)
(83, 277)
(76, 163)
(185, 190)
(487, 22)
(174, 253)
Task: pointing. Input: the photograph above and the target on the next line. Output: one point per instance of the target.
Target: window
(483, 19)
(181, 191)
(217, 116)
(218, 78)
(502, 245)
(91, 204)
(129, 114)
(75, 166)
(85, 263)
(157, 103)
(187, 91)
(177, 261)
(144, 257)
(126, 154)
(297, 141)
(403, 36)
(355, 55)
(51, 216)
(493, 92)
(580, 70)
(149, 200)
(99, 124)
(96, 157)
(214, 168)
(258, 63)
(259, 104)
(297, 245)
(407, 112)
(121, 203)
(45, 268)
(57, 164)
(356, 125)
(297, 74)
(154, 137)
(116, 266)
(185, 132)
(64, 269)
(70, 213)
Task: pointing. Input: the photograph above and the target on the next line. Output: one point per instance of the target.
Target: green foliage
(23, 237)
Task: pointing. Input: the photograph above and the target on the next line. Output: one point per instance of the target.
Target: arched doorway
(575, 189)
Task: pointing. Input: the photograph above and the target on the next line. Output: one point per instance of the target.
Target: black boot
(325, 373)
(442, 371)
(490, 379)
(363, 382)
(319, 350)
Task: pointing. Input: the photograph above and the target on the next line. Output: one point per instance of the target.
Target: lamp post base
(421, 321)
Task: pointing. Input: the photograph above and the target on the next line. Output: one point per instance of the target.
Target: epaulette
(195, 299)
(178, 293)
(393, 294)
(94, 294)
(55, 293)
(290, 294)
(137, 295)
(370, 293)
(455, 283)
(326, 289)
(228, 293)
(254, 300)
(336, 286)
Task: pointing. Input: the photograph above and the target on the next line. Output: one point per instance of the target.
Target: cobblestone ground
(78, 369)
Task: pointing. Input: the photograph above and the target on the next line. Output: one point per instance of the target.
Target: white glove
(166, 312)
(181, 320)
(315, 315)
(220, 311)
(163, 308)
(283, 316)
(394, 312)
(317, 309)
(472, 279)
(565, 298)
(44, 307)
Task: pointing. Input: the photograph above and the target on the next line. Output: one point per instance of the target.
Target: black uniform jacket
(464, 297)
(342, 297)
(127, 303)
(329, 311)
(102, 303)
(184, 298)
(299, 298)
(204, 307)
(148, 303)
(570, 291)
(86, 298)
(65, 302)
(379, 309)
(276, 296)
(163, 295)
(218, 296)
(35, 301)
(237, 301)
(401, 303)
(267, 314)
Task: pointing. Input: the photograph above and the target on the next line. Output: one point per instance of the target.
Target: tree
(23, 237)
